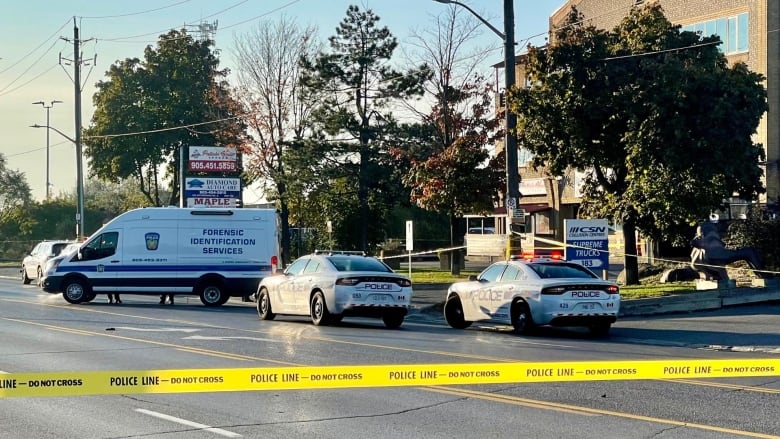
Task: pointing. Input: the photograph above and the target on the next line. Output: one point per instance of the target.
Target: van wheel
(76, 291)
(264, 305)
(211, 294)
(25, 280)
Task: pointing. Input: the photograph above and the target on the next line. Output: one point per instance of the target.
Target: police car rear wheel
(453, 313)
(393, 320)
(320, 315)
(600, 329)
(75, 291)
(264, 306)
(521, 318)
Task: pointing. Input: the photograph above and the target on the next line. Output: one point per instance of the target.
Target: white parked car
(34, 263)
(538, 292)
(329, 286)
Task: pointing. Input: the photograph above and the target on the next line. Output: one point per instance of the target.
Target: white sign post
(410, 244)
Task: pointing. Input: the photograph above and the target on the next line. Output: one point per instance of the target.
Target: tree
(655, 117)
(277, 111)
(358, 85)
(147, 110)
(14, 190)
(450, 170)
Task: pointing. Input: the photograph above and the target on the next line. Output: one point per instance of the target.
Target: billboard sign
(212, 159)
(211, 202)
(587, 242)
(201, 187)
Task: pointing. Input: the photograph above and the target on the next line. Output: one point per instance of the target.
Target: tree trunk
(631, 264)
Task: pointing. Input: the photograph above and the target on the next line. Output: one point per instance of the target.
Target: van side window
(101, 247)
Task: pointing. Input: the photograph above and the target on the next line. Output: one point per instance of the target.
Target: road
(42, 333)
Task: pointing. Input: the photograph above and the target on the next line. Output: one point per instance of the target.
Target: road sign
(587, 242)
(409, 236)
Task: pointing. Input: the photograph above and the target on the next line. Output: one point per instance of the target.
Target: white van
(213, 253)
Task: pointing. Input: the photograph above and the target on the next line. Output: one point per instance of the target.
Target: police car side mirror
(473, 277)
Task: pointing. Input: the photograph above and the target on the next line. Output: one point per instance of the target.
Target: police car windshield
(553, 270)
(345, 263)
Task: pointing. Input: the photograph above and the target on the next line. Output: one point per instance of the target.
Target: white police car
(331, 285)
(540, 292)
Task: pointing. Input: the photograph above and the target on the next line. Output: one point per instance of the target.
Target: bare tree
(276, 109)
(443, 46)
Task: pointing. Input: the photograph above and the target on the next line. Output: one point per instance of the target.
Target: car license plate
(587, 306)
(379, 298)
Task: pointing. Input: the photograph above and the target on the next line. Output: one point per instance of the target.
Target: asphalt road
(41, 332)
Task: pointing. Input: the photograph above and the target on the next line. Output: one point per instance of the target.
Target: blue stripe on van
(160, 268)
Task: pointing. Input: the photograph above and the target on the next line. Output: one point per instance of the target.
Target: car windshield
(345, 263)
(558, 270)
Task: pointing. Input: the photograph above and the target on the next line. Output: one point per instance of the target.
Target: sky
(38, 46)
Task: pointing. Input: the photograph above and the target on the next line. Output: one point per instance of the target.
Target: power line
(36, 49)
(136, 13)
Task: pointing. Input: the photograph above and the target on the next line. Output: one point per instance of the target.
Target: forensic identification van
(213, 253)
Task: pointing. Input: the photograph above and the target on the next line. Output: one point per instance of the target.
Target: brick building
(750, 31)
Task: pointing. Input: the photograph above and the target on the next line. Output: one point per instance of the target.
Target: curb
(685, 303)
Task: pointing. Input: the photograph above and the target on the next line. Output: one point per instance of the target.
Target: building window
(733, 32)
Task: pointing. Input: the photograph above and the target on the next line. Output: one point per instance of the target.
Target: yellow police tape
(329, 377)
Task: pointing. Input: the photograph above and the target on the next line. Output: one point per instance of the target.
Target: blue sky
(33, 32)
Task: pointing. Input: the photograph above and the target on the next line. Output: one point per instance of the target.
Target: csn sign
(587, 242)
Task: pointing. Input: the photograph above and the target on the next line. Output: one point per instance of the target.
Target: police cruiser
(327, 286)
(524, 294)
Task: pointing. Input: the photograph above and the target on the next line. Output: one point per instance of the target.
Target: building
(750, 31)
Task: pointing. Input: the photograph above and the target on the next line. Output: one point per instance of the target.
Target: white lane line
(131, 328)
(206, 337)
(181, 421)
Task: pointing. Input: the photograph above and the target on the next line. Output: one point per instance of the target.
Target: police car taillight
(613, 289)
(348, 281)
(274, 263)
(404, 283)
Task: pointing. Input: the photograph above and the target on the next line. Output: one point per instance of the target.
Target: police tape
(332, 377)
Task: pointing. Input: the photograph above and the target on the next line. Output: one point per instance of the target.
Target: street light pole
(47, 107)
(510, 119)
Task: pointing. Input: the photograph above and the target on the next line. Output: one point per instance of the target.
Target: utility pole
(77, 62)
(47, 107)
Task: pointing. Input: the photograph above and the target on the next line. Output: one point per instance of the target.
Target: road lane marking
(227, 338)
(296, 334)
(590, 411)
(187, 423)
(170, 345)
(725, 386)
(497, 397)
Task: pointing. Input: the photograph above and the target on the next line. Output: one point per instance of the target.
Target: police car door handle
(115, 261)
